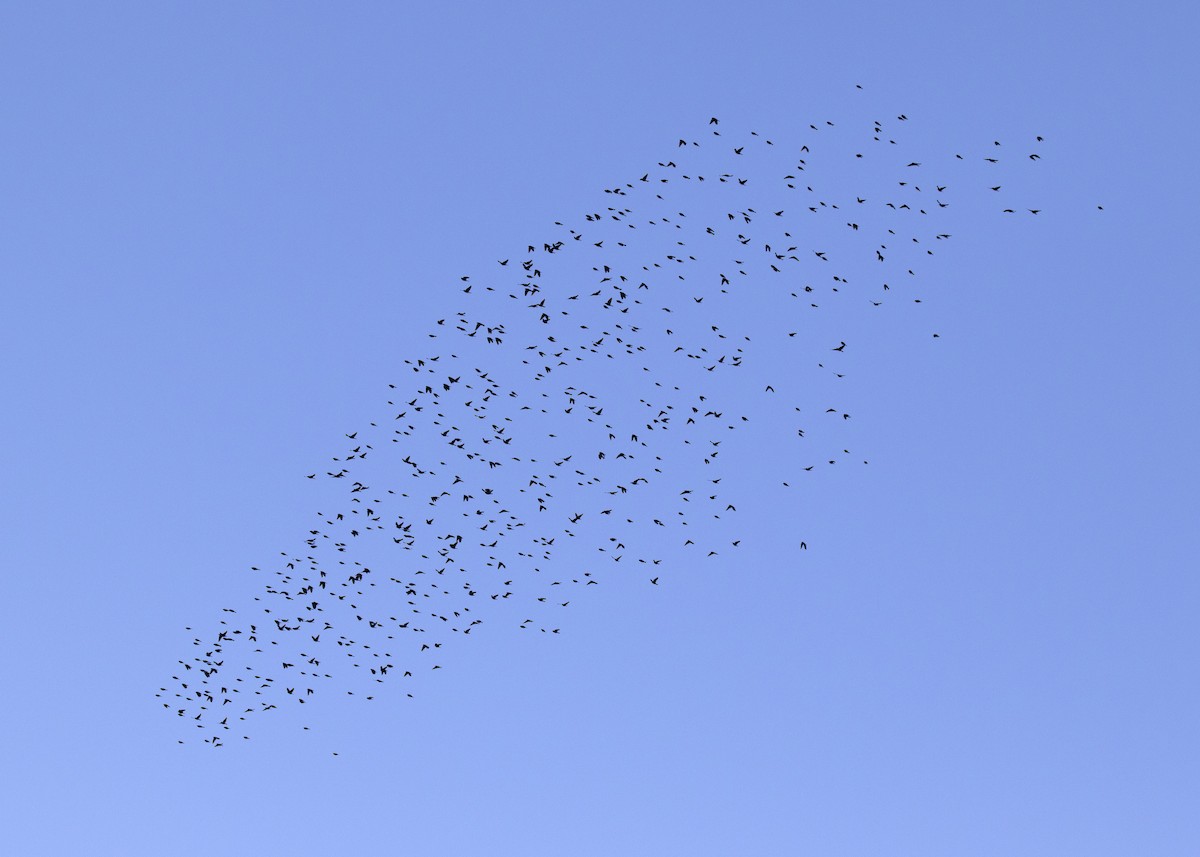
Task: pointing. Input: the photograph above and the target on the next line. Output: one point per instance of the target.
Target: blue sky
(223, 231)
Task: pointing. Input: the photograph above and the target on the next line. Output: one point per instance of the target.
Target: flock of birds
(583, 392)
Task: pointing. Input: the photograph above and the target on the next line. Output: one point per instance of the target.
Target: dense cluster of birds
(583, 391)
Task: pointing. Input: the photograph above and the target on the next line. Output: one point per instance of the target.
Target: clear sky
(225, 227)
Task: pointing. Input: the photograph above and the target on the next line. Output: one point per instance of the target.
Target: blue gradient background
(221, 229)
